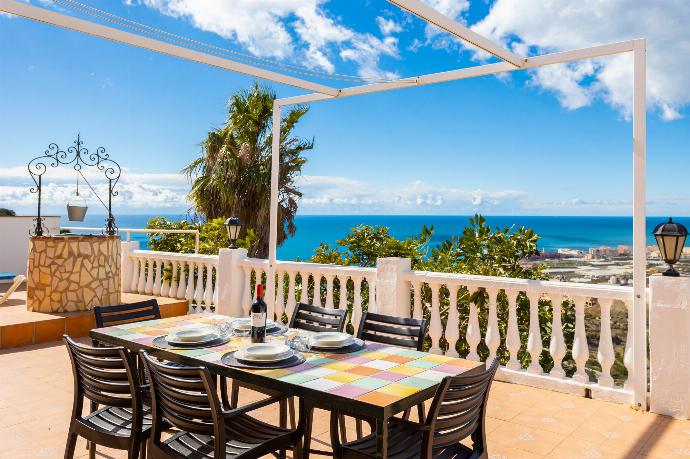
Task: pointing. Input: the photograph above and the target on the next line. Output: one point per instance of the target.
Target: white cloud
(137, 191)
(300, 31)
(562, 24)
(388, 26)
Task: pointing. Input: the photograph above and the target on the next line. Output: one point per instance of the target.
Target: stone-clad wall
(73, 273)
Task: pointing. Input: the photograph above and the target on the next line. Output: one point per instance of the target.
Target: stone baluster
(148, 288)
(534, 343)
(165, 283)
(453, 324)
(280, 296)
(131, 284)
(158, 264)
(417, 311)
(199, 284)
(373, 307)
(317, 289)
(208, 284)
(605, 353)
(172, 293)
(628, 357)
(182, 284)
(493, 335)
(329, 291)
(435, 326)
(473, 335)
(580, 347)
(356, 302)
(141, 284)
(513, 334)
(342, 303)
(290, 304)
(557, 347)
(247, 291)
(189, 294)
(304, 288)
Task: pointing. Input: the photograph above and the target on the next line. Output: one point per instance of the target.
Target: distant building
(570, 252)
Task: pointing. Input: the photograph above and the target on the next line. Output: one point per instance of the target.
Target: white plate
(193, 335)
(264, 352)
(330, 339)
(246, 324)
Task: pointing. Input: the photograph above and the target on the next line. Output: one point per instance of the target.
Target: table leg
(306, 414)
(382, 438)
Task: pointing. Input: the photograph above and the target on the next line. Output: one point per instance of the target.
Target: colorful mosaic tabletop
(378, 375)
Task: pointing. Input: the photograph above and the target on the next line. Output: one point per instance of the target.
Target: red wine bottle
(258, 316)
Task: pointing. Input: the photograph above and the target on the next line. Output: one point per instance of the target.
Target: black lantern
(233, 225)
(670, 237)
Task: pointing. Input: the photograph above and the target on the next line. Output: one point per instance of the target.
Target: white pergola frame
(509, 62)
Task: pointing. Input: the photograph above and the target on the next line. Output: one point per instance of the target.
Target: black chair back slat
(459, 408)
(184, 396)
(387, 339)
(398, 331)
(126, 313)
(318, 319)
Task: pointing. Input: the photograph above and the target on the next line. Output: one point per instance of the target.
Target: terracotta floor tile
(525, 438)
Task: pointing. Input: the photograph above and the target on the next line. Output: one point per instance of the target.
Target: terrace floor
(523, 422)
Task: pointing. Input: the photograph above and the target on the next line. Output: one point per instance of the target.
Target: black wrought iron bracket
(78, 157)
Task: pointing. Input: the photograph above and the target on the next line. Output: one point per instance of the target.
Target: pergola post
(639, 320)
(273, 216)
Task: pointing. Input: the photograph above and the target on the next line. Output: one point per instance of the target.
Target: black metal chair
(186, 399)
(107, 376)
(305, 317)
(396, 331)
(126, 313)
(457, 411)
(318, 318)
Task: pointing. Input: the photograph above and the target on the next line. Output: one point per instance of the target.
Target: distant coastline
(557, 232)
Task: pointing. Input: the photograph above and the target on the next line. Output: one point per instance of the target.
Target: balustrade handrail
(213, 259)
(527, 285)
(299, 266)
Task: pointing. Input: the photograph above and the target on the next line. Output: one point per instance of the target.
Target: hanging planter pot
(76, 213)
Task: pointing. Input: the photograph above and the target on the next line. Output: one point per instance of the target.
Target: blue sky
(553, 142)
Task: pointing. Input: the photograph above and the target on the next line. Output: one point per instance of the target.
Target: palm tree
(232, 177)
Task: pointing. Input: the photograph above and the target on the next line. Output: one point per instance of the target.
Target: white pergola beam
(110, 33)
(453, 27)
(470, 72)
(639, 313)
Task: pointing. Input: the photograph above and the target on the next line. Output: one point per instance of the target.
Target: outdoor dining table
(376, 382)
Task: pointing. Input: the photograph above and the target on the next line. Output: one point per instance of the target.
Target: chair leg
(282, 414)
(71, 444)
(421, 413)
(92, 450)
(291, 406)
(234, 394)
(342, 428)
(134, 450)
(142, 453)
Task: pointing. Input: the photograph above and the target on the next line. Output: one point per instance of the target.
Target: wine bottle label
(258, 320)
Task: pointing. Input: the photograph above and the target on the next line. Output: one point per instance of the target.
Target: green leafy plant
(212, 236)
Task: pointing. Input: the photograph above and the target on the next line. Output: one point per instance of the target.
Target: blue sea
(556, 232)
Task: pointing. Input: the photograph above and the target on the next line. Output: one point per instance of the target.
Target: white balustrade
(534, 344)
(605, 353)
(557, 347)
(175, 275)
(513, 337)
(522, 297)
(474, 335)
(580, 347)
(452, 329)
(493, 336)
